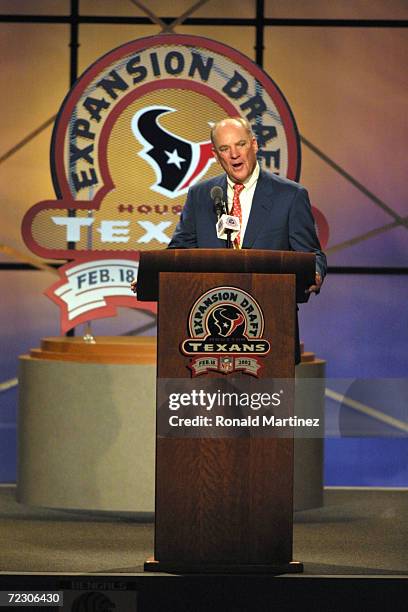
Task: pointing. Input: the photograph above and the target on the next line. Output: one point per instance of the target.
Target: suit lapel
(261, 204)
(224, 187)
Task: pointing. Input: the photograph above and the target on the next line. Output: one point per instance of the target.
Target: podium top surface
(253, 261)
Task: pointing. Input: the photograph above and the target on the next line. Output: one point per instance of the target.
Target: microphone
(228, 228)
(217, 195)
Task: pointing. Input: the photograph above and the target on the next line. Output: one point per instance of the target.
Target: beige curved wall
(86, 436)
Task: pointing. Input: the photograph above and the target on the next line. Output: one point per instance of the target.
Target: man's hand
(316, 287)
(133, 286)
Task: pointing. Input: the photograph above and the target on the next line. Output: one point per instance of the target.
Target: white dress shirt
(245, 197)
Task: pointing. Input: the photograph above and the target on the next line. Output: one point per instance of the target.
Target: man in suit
(275, 212)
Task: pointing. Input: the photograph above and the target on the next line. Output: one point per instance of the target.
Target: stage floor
(354, 551)
(356, 532)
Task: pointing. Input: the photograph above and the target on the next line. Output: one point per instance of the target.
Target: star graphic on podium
(174, 158)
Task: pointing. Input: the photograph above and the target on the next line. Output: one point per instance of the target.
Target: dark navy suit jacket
(280, 219)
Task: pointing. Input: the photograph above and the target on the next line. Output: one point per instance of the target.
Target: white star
(174, 158)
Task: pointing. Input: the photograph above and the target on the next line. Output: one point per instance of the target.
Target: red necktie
(236, 210)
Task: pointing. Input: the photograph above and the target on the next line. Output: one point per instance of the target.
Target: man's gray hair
(244, 122)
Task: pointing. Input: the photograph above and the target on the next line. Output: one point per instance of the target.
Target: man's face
(235, 150)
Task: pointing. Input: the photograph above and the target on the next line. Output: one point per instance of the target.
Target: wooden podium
(224, 504)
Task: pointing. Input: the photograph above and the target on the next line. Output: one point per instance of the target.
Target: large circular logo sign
(133, 135)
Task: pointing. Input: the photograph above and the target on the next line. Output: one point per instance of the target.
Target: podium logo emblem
(226, 326)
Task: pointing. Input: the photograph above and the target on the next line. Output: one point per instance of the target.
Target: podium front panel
(229, 499)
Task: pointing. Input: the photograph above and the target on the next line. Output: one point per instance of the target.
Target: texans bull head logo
(226, 322)
(178, 163)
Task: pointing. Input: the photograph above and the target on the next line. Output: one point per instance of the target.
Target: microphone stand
(228, 232)
(229, 243)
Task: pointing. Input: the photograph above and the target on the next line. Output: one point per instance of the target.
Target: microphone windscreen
(216, 193)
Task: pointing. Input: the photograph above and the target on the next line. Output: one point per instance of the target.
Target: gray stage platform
(358, 539)
(356, 532)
